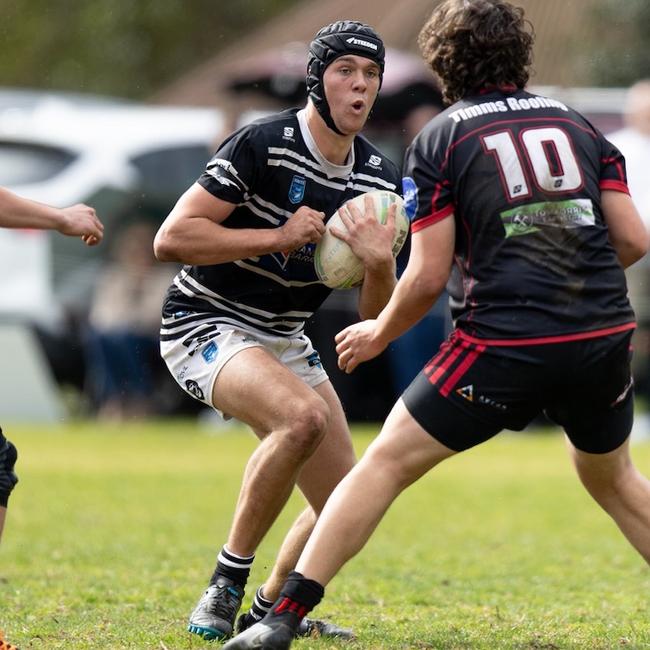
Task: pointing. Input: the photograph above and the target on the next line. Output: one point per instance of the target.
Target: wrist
(381, 267)
(58, 218)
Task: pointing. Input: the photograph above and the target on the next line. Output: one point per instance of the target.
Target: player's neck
(334, 147)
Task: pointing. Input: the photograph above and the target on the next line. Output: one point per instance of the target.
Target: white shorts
(195, 368)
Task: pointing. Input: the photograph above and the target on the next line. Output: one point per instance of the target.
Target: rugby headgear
(331, 42)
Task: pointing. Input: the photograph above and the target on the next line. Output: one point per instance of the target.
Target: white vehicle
(118, 156)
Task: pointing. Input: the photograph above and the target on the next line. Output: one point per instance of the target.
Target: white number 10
(550, 154)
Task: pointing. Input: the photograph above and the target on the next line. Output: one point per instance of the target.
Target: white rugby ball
(336, 265)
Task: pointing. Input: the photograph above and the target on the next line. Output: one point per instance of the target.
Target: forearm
(376, 290)
(17, 212)
(206, 242)
(411, 300)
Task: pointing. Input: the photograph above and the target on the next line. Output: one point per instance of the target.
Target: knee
(608, 487)
(308, 424)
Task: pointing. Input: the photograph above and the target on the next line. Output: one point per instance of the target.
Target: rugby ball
(336, 265)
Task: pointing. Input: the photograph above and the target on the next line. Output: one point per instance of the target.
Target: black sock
(234, 567)
(260, 607)
(299, 595)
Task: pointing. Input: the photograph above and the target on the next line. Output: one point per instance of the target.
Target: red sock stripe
(284, 604)
(288, 605)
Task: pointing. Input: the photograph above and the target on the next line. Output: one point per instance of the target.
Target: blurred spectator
(122, 340)
(634, 143)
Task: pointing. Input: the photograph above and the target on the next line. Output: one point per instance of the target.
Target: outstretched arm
(76, 221)
(417, 290)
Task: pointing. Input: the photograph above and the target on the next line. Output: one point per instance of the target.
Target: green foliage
(119, 47)
(113, 531)
(619, 52)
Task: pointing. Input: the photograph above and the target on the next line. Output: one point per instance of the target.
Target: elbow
(164, 248)
(637, 248)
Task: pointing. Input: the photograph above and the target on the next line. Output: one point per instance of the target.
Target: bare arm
(627, 232)
(372, 243)
(419, 287)
(76, 221)
(193, 234)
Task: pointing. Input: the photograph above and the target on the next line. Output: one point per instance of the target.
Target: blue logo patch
(410, 193)
(209, 352)
(297, 189)
(314, 360)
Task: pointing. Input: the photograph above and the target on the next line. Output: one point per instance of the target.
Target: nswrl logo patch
(297, 189)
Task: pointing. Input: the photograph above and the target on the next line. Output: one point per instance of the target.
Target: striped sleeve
(427, 191)
(612, 168)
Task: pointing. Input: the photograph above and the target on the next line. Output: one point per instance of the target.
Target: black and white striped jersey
(268, 169)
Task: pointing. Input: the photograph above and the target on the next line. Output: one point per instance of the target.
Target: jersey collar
(332, 170)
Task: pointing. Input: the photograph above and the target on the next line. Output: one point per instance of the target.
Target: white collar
(332, 170)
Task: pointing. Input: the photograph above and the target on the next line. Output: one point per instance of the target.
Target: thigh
(196, 359)
(258, 389)
(404, 451)
(334, 457)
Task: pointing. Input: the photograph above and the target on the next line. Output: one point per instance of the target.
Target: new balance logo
(357, 41)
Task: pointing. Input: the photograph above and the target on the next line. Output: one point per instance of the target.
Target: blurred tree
(619, 53)
(119, 47)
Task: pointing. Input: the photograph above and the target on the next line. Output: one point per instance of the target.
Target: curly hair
(471, 44)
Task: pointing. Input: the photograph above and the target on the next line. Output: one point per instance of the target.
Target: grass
(113, 531)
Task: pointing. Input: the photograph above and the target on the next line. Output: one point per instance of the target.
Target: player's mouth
(358, 106)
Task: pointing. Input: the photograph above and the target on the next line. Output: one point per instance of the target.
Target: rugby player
(232, 331)
(528, 203)
(75, 221)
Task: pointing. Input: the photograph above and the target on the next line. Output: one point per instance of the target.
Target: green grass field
(113, 531)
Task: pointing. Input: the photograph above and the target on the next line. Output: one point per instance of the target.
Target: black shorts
(470, 391)
(8, 478)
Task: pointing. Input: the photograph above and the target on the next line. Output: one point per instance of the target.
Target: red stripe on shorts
(445, 364)
(466, 364)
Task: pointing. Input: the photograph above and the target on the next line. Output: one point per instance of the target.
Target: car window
(22, 163)
(166, 173)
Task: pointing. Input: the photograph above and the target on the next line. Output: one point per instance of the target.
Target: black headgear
(333, 41)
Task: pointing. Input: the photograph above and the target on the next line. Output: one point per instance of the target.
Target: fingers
(392, 215)
(346, 359)
(90, 240)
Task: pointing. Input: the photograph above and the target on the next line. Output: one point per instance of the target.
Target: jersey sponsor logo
(501, 106)
(410, 193)
(527, 219)
(297, 189)
(194, 389)
(303, 254)
(210, 351)
(288, 132)
(353, 40)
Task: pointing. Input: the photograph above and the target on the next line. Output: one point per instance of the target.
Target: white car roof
(75, 123)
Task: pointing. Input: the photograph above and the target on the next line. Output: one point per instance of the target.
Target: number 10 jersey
(522, 175)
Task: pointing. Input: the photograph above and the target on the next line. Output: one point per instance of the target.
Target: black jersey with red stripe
(522, 176)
